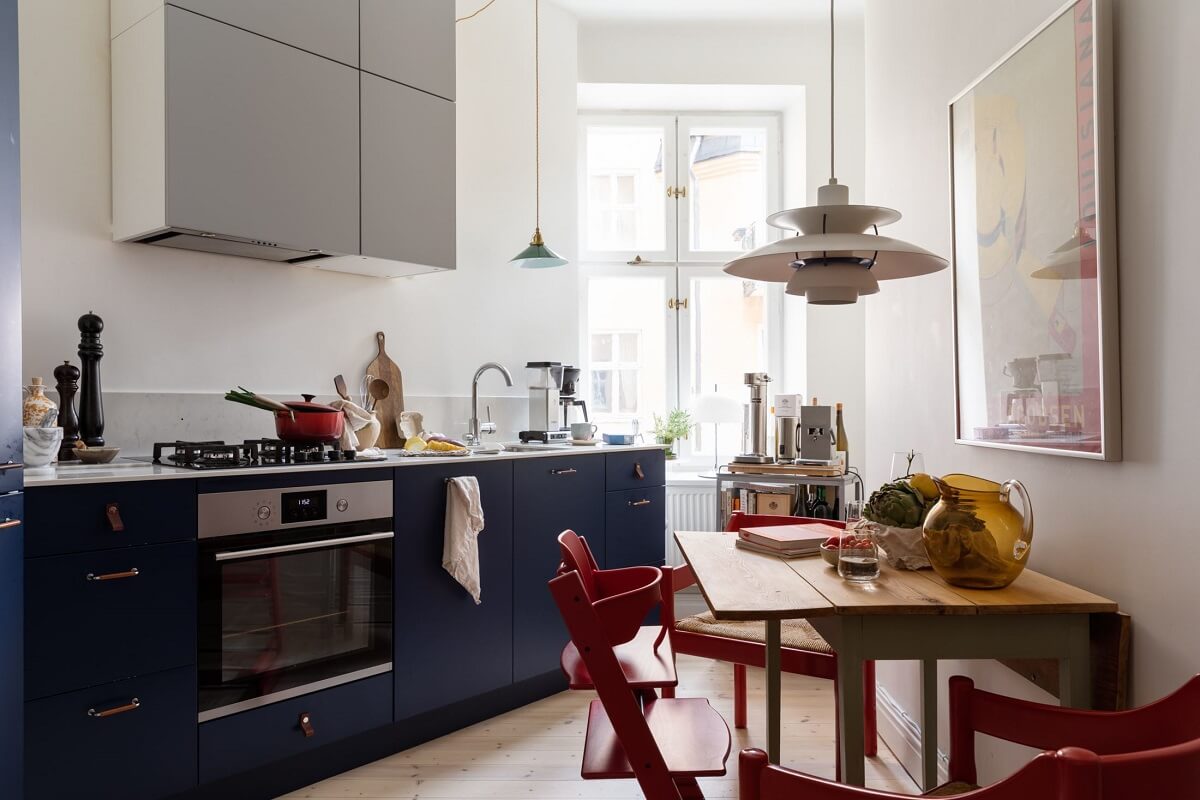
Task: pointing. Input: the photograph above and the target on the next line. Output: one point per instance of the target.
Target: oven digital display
(303, 506)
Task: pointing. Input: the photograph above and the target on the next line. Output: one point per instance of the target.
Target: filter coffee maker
(545, 408)
(755, 439)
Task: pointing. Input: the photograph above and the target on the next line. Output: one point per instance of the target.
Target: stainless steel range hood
(183, 239)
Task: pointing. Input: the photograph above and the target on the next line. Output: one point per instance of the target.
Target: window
(615, 372)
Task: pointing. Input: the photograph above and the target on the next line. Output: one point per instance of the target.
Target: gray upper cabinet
(408, 197)
(262, 138)
(326, 27)
(410, 41)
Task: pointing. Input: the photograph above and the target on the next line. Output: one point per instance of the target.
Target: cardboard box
(788, 405)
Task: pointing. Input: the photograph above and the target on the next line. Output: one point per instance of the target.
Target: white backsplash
(134, 421)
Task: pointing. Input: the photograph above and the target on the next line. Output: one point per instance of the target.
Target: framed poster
(1034, 226)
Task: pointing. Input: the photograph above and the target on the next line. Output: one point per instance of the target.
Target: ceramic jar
(37, 405)
(974, 536)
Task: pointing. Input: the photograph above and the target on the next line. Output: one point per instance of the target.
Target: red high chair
(744, 643)
(665, 744)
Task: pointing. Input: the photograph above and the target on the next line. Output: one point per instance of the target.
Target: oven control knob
(264, 512)
(343, 504)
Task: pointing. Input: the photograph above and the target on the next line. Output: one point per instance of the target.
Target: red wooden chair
(744, 643)
(1173, 720)
(1072, 773)
(665, 744)
(643, 651)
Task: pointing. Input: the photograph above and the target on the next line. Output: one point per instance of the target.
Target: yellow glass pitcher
(974, 536)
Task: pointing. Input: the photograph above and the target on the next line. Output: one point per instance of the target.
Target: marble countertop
(129, 470)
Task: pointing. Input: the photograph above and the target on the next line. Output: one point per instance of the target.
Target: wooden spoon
(339, 383)
(379, 390)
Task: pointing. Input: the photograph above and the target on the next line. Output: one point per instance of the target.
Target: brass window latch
(675, 303)
(676, 191)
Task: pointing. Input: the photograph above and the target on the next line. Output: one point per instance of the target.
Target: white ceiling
(707, 10)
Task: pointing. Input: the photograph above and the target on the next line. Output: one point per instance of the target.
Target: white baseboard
(902, 734)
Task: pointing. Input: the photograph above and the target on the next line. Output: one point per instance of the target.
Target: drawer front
(80, 631)
(252, 738)
(74, 519)
(635, 527)
(140, 753)
(635, 469)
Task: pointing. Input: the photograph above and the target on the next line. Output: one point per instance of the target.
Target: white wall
(191, 322)
(830, 363)
(1123, 530)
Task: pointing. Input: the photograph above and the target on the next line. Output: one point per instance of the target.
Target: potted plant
(676, 426)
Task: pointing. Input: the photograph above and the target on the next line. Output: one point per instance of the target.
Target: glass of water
(858, 555)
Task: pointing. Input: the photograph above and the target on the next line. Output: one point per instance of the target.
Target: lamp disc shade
(538, 256)
(893, 258)
(833, 218)
(832, 284)
(1074, 259)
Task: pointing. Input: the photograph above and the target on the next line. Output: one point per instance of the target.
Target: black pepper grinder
(91, 403)
(68, 418)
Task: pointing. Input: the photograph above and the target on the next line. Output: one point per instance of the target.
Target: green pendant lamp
(537, 255)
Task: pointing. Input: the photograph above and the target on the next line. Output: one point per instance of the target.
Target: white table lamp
(716, 408)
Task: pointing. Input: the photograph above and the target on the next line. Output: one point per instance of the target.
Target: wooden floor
(533, 753)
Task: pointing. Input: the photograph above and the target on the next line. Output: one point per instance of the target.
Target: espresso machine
(755, 431)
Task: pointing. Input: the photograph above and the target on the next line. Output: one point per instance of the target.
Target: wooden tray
(786, 469)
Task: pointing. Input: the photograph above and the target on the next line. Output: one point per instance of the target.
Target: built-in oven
(295, 592)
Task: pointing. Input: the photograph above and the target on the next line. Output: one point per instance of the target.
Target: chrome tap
(475, 428)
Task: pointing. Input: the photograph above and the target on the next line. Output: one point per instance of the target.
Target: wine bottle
(842, 446)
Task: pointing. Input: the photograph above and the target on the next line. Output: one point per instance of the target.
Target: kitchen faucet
(475, 428)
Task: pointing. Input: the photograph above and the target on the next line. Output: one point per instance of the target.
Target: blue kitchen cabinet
(449, 649)
(133, 739)
(635, 527)
(550, 495)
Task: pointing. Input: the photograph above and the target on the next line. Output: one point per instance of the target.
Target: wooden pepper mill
(68, 418)
(91, 403)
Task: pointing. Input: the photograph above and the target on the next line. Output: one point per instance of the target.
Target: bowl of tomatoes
(829, 548)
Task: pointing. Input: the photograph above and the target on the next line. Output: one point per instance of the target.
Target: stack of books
(787, 541)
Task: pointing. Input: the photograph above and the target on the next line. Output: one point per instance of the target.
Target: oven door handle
(234, 555)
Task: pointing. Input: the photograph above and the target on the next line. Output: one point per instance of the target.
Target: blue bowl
(618, 438)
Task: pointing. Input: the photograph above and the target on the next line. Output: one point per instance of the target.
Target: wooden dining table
(902, 615)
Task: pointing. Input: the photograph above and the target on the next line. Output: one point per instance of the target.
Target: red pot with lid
(308, 422)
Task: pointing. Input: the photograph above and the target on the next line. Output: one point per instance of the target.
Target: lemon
(415, 444)
(925, 485)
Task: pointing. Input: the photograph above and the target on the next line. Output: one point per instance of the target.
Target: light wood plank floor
(533, 753)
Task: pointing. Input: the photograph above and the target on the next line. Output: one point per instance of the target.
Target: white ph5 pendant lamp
(537, 255)
(832, 260)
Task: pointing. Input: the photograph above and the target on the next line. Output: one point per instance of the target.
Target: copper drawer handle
(306, 725)
(638, 472)
(113, 512)
(7, 465)
(132, 705)
(113, 576)
(9, 522)
(567, 471)
(636, 503)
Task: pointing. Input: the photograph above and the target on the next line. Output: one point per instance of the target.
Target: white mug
(583, 431)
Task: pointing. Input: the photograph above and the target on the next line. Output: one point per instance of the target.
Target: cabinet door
(447, 648)
(326, 27)
(411, 42)
(635, 528)
(73, 749)
(262, 138)
(551, 495)
(408, 211)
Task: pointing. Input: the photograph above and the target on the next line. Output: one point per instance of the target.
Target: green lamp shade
(537, 255)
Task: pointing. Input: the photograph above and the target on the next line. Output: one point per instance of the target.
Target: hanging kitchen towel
(464, 522)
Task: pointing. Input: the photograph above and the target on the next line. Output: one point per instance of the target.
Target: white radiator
(689, 508)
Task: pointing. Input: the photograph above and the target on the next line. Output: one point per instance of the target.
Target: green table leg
(929, 722)
(850, 700)
(773, 689)
(1075, 671)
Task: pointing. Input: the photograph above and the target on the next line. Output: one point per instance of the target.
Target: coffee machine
(755, 432)
(545, 408)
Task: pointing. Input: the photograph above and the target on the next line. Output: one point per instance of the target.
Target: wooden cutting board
(388, 410)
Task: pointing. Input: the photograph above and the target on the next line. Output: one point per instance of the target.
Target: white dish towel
(464, 522)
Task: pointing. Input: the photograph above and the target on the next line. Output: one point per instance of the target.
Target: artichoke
(897, 504)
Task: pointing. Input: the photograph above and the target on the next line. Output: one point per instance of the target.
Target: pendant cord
(476, 13)
(832, 92)
(537, 117)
